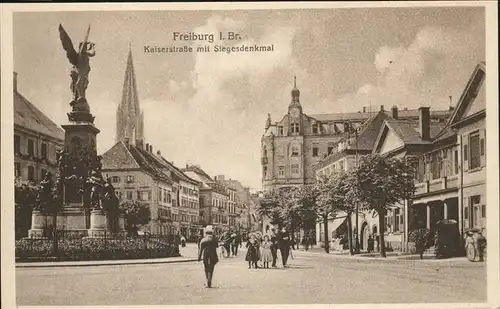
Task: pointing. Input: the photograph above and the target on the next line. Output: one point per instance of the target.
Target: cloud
(226, 89)
(422, 72)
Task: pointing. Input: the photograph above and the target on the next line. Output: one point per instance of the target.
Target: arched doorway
(365, 233)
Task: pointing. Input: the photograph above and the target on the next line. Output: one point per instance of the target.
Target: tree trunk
(293, 238)
(55, 249)
(381, 223)
(349, 233)
(327, 244)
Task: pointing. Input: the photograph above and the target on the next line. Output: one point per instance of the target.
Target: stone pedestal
(38, 224)
(97, 224)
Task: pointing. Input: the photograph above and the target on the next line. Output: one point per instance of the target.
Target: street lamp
(357, 245)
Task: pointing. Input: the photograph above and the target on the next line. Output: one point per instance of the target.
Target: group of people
(229, 244)
(265, 249)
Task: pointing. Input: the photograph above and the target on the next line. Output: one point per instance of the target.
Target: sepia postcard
(250, 154)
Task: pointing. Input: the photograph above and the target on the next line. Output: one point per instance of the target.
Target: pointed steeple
(129, 117)
(295, 102)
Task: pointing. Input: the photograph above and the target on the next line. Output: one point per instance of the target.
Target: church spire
(129, 117)
(295, 95)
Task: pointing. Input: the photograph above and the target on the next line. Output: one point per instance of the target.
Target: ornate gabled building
(291, 147)
(129, 117)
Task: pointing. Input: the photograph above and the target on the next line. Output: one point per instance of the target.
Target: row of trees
(376, 183)
(25, 195)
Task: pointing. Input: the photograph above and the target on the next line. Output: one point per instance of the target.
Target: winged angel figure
(81, 67)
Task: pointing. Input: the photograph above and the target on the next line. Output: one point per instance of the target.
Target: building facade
(36, 140)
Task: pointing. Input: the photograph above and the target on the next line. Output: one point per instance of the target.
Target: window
(31, 173)
(455, 159)
(264, 171)
(315, 151)
(295, 168)
(397, 220)
(43, 150)
(475, 151)
(130, 178)
(483, 211)
(129, 195)
(31, 147)
(295, 128)
(436, 163)
(115, 179)
(280, 130)
(17, 144)
(475, 207)
(281, 171)
(17, 169)
(295, 150)
(330, 149)
(265, 151)
(315, 128)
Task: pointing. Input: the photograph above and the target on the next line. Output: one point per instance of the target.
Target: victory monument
(79, 201)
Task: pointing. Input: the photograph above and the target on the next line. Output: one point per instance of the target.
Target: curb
(100, 263)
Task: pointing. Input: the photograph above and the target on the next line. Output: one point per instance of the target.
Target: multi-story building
(291, 147)
(36, 140)
(450, 177)
(452, 174)
(139, 174)
(240, 201)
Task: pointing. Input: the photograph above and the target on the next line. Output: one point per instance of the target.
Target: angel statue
(81, 67)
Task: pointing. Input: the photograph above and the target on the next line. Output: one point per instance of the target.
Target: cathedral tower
(129, 117)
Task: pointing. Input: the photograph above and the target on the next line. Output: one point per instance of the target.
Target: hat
(209, 229)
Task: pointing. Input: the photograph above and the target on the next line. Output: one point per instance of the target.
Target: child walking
(267, 255)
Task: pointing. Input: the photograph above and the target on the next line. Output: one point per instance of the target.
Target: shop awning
(336, 223)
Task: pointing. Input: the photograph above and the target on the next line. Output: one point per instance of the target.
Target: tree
(332, 199)
(136, 213)
(423, 240)
(379, 182)
(25, 193)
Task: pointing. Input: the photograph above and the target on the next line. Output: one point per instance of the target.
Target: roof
(134, 157)
(402, 114)
(205, 179)
(408, 130)
(26, 115)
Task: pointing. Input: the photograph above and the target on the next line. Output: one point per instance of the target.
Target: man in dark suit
(274, 247)
(284, 246)
(208, 252)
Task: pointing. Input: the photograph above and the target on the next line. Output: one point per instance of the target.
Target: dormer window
(295, 128)
(280, 130)
(315, 128)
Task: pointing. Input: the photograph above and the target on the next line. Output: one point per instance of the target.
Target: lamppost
(357, 245)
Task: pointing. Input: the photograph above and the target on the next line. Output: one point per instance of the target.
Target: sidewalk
(391, 256)
(188, 254)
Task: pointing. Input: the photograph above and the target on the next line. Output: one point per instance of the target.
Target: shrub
(97, 248)
(423, 240)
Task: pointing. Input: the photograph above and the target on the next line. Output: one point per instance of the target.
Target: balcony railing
(434, 185)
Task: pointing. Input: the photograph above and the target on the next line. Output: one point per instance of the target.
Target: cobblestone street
(311, 278)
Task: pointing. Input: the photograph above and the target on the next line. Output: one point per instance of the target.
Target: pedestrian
(252, 253)
(370, 244)
(284, 246)
(183, 241)
(266, 255)
(208, 252)
(274, 248)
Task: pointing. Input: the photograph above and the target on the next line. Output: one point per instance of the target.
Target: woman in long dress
(266, 255)
(252, 253)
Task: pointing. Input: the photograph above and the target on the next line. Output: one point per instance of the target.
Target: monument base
(97, 224)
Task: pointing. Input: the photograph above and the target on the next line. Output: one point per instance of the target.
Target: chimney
(220, 177)
(382, 107)
(15, 81)
(151, 148)
(158, 153)
(364, 109)
(424, 123)
(127, 142)
(147, 147)
(395, 112)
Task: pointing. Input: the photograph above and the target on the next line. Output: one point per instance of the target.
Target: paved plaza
(311, 278)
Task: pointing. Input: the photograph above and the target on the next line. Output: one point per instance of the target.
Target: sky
(210, 108)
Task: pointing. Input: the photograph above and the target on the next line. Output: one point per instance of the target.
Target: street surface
(311, 278)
